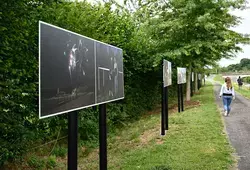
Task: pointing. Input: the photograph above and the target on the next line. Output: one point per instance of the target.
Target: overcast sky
(244, 27)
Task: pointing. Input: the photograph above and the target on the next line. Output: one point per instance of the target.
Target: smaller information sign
(181, 75)
(167, 73)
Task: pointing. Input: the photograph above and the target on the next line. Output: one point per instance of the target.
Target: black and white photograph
(181, 75)
(167, 73)
(76, 71)
(109, 68)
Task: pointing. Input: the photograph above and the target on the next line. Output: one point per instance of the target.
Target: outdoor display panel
(181, 75)
(109, 68)
(76, 72)
(199, 76)
(167, 73)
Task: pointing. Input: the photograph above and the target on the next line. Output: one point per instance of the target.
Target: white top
(225, 90)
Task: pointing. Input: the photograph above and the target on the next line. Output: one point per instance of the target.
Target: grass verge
(195, 140)
(219, 78)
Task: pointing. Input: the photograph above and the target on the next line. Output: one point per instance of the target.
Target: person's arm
(221, 90)
(233, 93)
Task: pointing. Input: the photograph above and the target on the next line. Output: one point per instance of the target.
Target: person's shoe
(225, 114)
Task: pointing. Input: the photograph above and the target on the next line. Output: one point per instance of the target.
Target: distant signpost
(191, 84)
(181, 79)
(181, 75)
(77, 72)
(199, 81)
(167, 81)
(167, 73)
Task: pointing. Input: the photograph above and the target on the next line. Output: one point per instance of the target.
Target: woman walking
(227, 93)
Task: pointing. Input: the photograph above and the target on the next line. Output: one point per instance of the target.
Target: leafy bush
(51, 162)
(88, 126)
(36, 162)
(60, 151)
(19, 123)
(246, 79)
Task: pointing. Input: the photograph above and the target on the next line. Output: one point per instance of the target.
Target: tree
(244, 65)
(245, 62)
(195, 33)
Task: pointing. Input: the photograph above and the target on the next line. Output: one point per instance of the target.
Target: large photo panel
(167, 73)
(67, 72)
(181, 75)
(68, 68)
(109, 68)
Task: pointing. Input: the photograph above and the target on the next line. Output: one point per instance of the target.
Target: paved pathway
(238, 127)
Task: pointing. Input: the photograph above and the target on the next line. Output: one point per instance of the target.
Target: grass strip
(195, 140)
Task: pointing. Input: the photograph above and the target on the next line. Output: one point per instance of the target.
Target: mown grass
(195, 140)
(219, 78)
(244, 91)
(55, 157)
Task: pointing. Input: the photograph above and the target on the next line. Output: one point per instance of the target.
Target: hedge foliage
(20, 127)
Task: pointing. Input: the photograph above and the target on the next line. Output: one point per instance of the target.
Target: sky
(244, 27)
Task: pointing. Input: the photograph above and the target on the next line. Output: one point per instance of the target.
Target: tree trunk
(188, 88)
(196, 82)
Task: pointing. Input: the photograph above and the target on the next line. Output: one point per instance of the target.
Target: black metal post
(191, 86)
(182, 102)
(72, 140)
(102, 137)
(163, 110)
(198, 84)
(179, 98)
(166, 102)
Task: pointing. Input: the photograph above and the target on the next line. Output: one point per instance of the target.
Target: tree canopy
(243, 66)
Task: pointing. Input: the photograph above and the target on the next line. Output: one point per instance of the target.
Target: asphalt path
(238, 126)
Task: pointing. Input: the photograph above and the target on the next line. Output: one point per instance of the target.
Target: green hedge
(20, 127)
